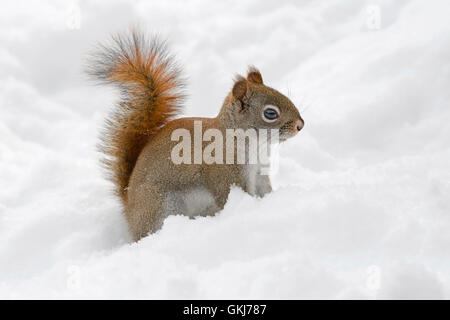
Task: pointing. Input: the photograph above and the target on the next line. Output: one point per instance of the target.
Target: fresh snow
(361, 207)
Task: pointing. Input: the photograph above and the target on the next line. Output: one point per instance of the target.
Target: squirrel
(137, 141)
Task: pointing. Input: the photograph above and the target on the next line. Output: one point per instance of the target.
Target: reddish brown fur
(239, 88)
(150, 85)
(254, 75)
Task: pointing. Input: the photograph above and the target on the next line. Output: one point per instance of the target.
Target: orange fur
(151, 96)
(254, 75)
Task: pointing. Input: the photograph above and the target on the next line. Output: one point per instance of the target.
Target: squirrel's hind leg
(145, 211)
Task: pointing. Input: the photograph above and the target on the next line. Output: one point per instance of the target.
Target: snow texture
(361, 206)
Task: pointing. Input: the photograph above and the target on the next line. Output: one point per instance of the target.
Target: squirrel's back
(151, 95)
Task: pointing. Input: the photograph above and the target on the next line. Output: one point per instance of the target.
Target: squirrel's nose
(299, 125)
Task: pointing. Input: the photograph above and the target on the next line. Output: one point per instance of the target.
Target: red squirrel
(138, 138)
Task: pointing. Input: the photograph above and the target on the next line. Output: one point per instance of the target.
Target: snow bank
(361, 207)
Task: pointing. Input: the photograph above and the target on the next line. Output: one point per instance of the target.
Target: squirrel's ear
(254, 75)
(239, 88)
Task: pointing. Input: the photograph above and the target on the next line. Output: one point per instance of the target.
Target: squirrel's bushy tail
(151, 95)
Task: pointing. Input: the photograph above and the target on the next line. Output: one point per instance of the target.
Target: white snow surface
(361, 207)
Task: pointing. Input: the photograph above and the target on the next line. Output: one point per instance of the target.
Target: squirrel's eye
(270, 113)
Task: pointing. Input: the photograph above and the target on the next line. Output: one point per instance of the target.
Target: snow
(361, 203)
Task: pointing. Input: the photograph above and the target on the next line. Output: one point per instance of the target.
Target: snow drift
(361, 207)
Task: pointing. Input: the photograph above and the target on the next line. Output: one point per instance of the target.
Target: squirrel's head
(251, 104)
